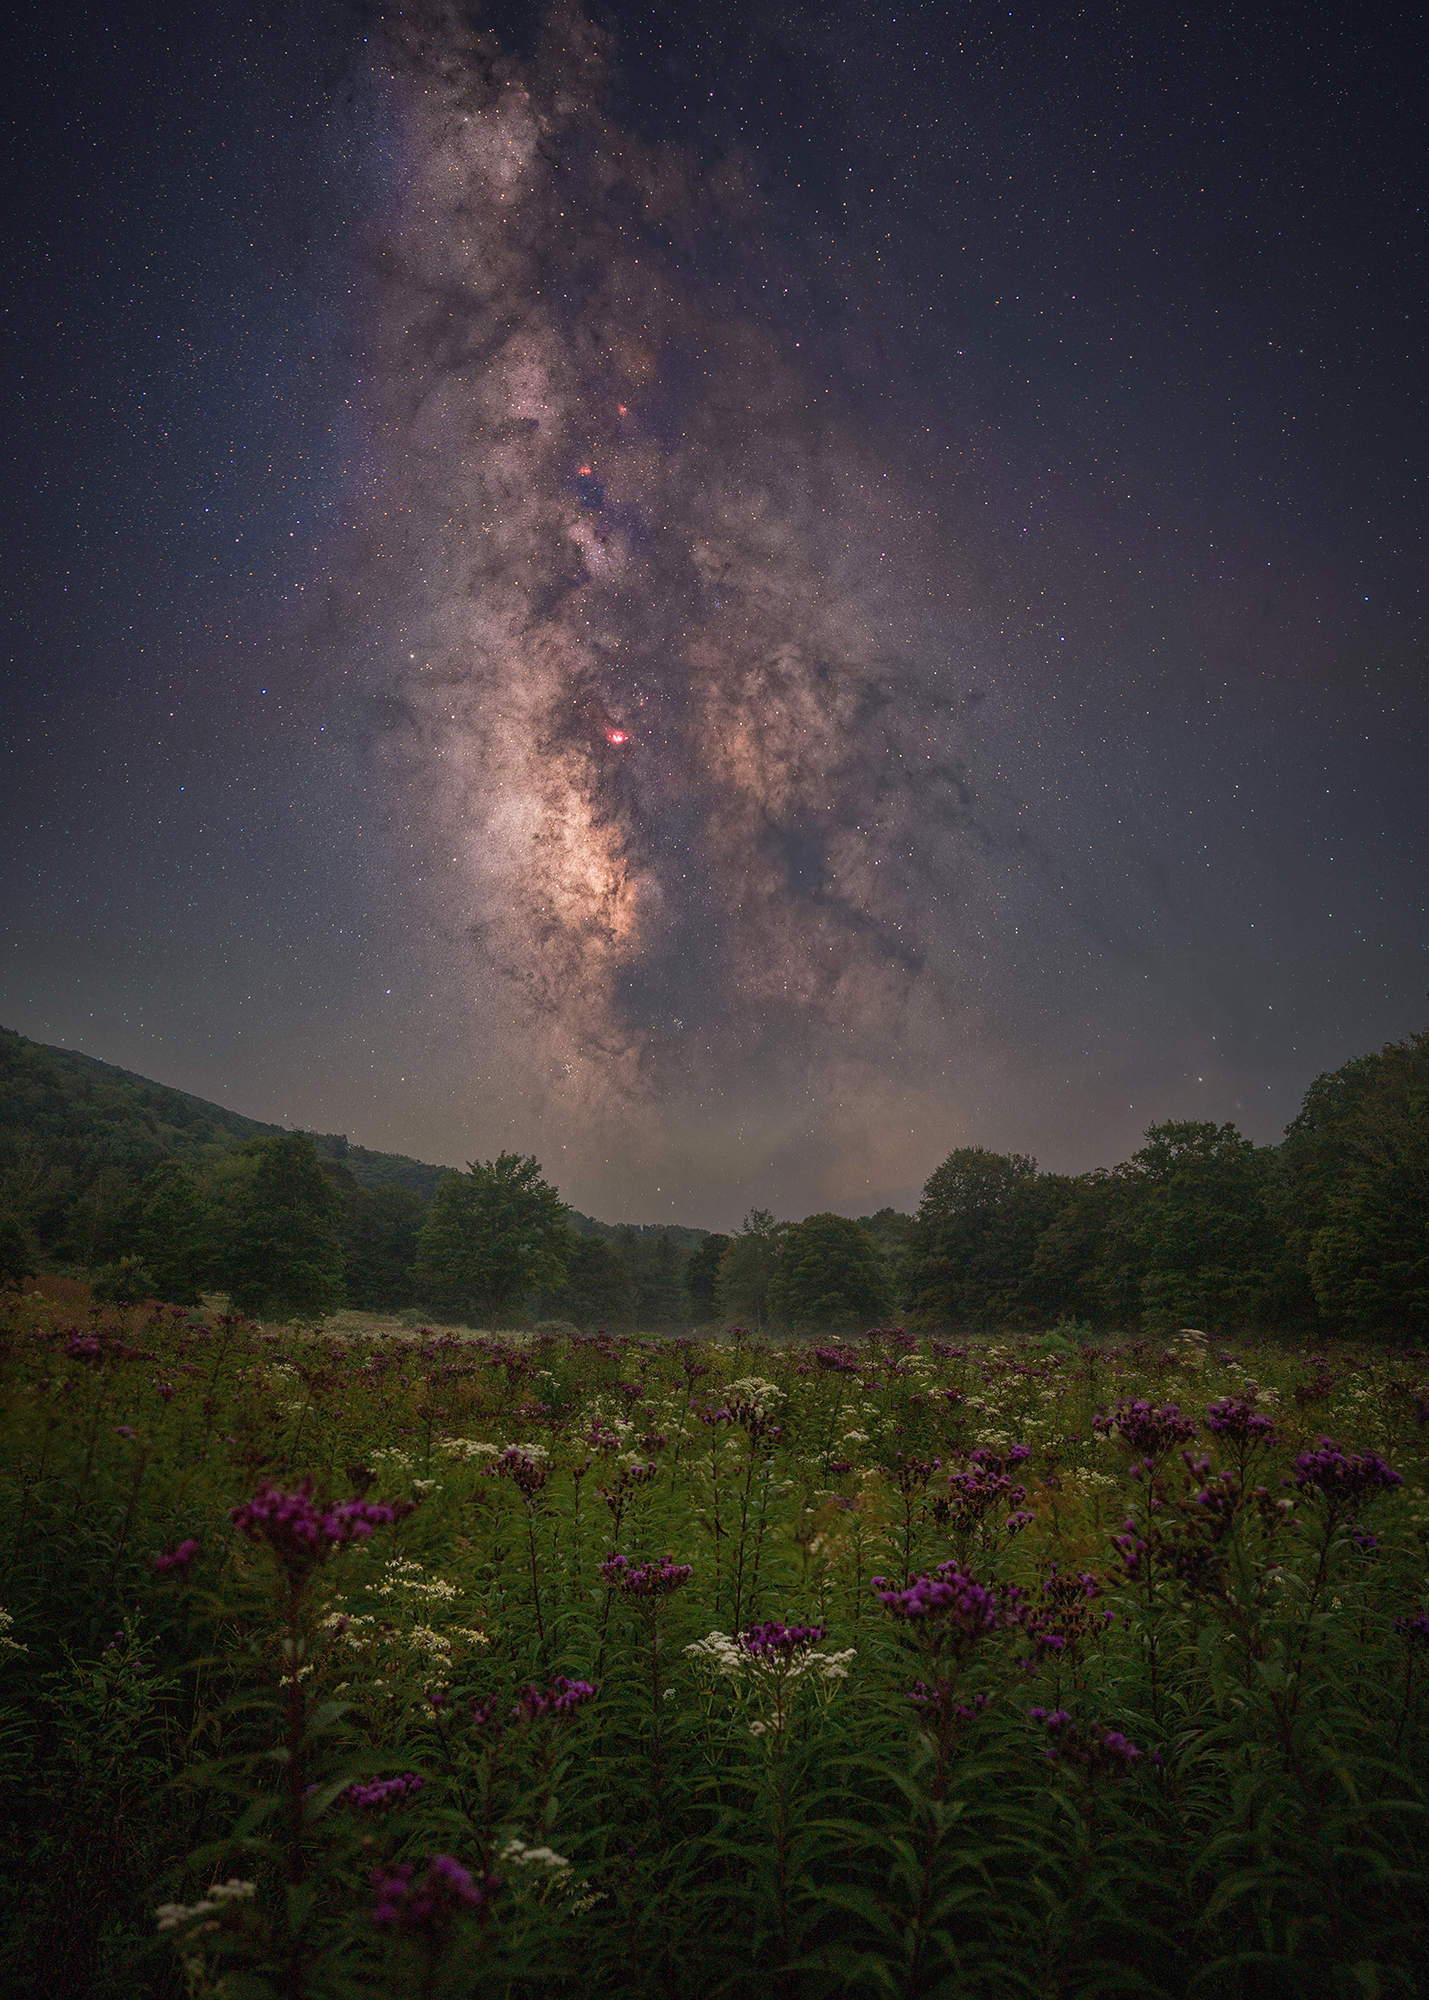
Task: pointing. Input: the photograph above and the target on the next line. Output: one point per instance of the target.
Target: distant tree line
(1326, 1232)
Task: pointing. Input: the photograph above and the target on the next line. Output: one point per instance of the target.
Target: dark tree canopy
(746, 1270)
(829, 1275)
(597, 1291)
(494, 1235)
(702, 1275)
(283, 1255)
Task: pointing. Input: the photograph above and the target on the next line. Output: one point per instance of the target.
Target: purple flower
(1132, 1548)
(1067, 1614)
(384, 1793)
(839, 1359)
(650, 1580)
(1344, 1475)
(940, 1701)
(951, 1608)
(82, 1346)
(1414, 1629)
(1146, 1432)
(428, 1904)
(775, 1642)
(1098, 1749)
(1239, 1422)
(527, 1474)
(558, 1699)
(301, 1535)
(180, 1560)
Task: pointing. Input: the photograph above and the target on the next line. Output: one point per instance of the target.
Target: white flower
(754, 1389)
(426, 1486)
(7, 1644)
(171, 1915)
(522, 1856)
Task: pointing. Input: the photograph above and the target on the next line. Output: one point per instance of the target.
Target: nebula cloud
(687, 711)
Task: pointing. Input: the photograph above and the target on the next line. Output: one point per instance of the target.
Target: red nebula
(585, 472)
(616, 736)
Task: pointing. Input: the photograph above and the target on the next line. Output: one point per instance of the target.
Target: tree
(746, 1269)
(702, 1275)
(125, 1282)
(1351, 1190)
(597, 1291)
(654, 1269)
(972, 1244)
(17, 1261)
(829, 1276)
(493, 1235)
(176, 1239)
(1205, 1239)
(283, 1256)
(380, 1228)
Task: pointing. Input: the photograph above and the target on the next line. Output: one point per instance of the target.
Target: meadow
(365, 1659)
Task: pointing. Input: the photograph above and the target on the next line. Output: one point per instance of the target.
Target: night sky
(731, 596)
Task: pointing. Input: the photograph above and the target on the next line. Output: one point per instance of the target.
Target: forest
(143, 1191)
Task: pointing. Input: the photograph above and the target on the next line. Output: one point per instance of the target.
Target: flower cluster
(984, 1488)
(1236, 1421)
(951, 1608)
(1344, 1475)
(427, 1904)
(384, 1793)
(558, 1699)
(651, 1580)
(180, 1560)
(774, 1641)
(941, 1703)
(1414, 1629)
(302, 1535)
(527, 1472)
(1066, 1615)
(1099, 1749)
(220, 1894)
(1146, 1432)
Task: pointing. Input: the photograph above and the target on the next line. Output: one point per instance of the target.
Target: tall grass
(446, 1664)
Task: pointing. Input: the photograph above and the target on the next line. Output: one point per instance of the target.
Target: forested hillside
(157, 1193)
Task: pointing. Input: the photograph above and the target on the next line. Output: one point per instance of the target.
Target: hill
(66, 1119)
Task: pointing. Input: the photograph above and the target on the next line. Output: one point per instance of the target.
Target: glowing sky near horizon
(743, 704)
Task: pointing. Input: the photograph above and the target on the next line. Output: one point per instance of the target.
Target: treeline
(1327, 1232)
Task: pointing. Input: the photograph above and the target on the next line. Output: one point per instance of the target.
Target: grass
(622, 1674)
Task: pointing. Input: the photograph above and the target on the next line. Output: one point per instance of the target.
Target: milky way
(734, 608)
(699, 806)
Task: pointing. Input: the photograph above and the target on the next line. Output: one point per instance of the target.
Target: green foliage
(870, 1808)
(746, 1270)
(379, 1227)
(829, 1276)
(1201, 1232)
(1352, 1190)
(126, 1282)
(971, 1248)
(702, 1276)
(283, 1255)
(494, 1235)
(177, 1237)
(597, 1291)
(17, 1254)
(655, 1268)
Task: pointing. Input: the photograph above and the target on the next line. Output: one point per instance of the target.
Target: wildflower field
(343, 1661)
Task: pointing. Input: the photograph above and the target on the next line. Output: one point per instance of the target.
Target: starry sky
(732, 596)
